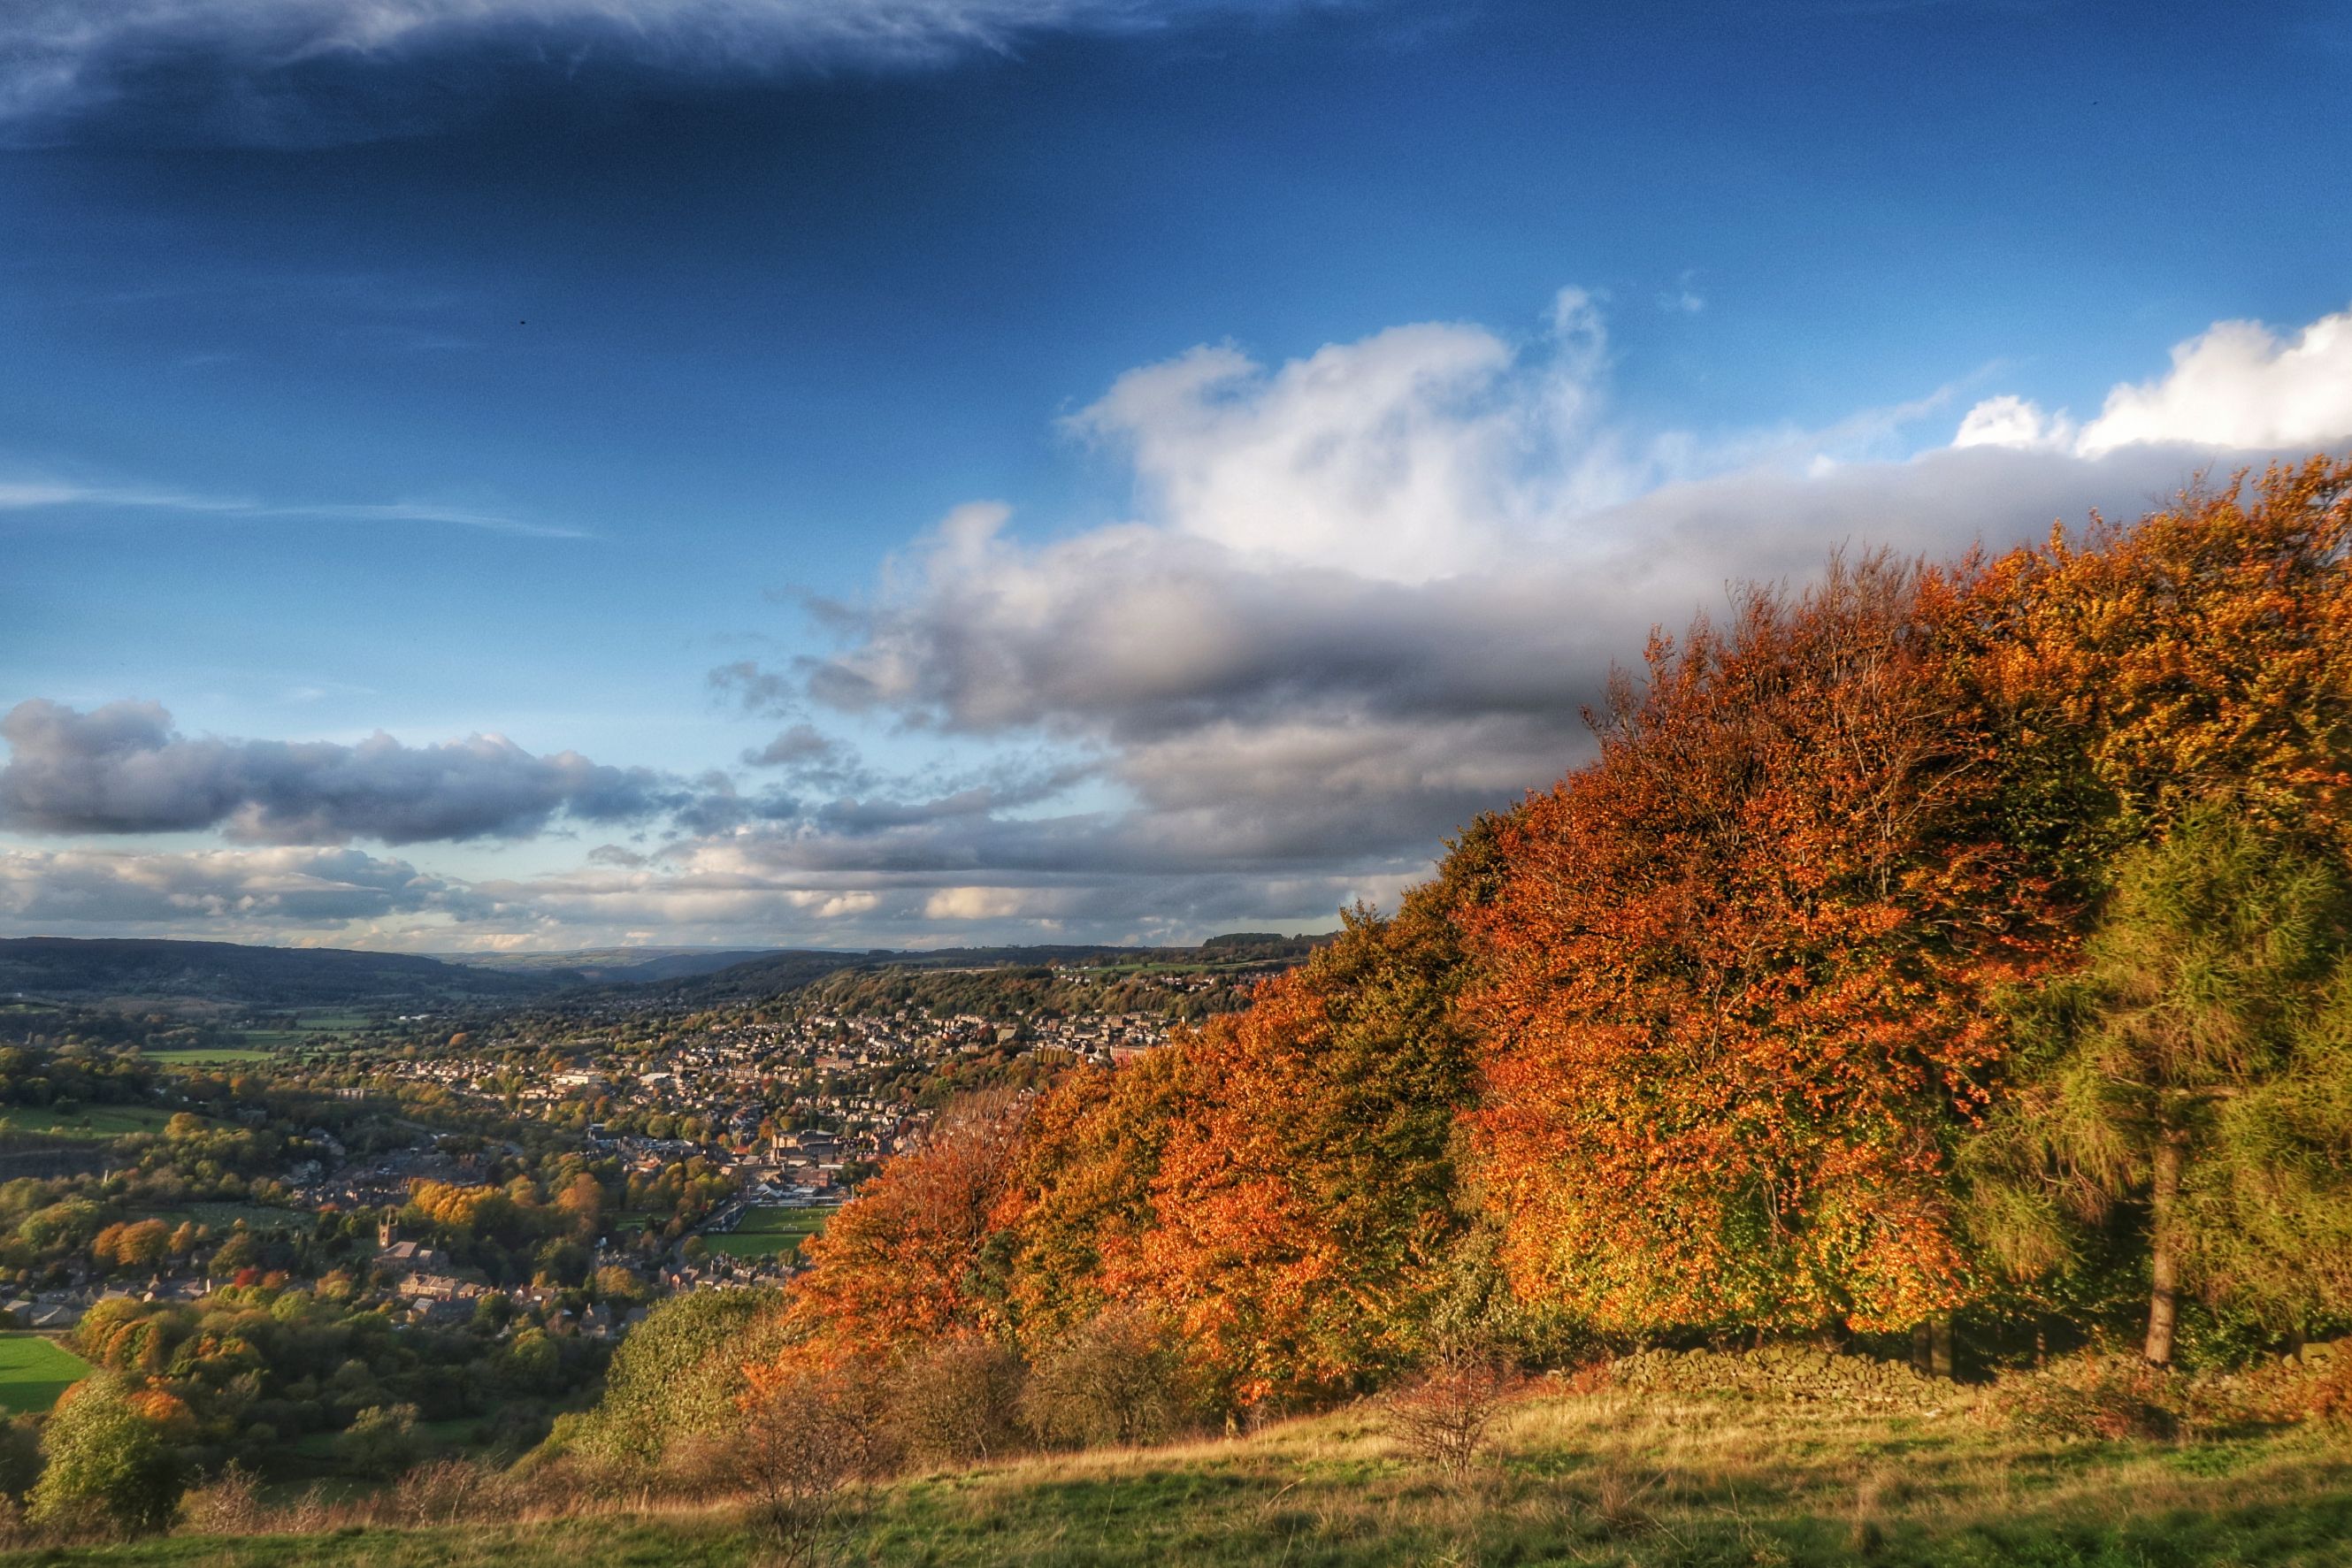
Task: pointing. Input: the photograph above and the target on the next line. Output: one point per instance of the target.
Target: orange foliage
(1740, 973)
(1277, 1188)
(901, 1262)
(2204, 653)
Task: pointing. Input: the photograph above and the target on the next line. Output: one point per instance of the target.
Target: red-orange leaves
(1740, 967)
(2204, 653)
(901, 1262)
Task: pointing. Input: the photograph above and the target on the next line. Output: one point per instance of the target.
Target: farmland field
(205, 1055)
(33, 1371)
(764, 1232)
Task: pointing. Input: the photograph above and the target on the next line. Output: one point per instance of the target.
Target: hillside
(230, 974)
(1594, 1479)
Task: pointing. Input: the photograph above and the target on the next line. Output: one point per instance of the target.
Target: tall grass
(1605, 1479)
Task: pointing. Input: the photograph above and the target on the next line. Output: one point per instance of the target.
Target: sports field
(83, 1121)
(33, 1371)
(764, 1232)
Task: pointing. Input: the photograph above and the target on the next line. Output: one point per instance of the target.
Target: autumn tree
(2201, 653)
(1741, 968)
(2197, 1070)
(900, 1263)
(1278, 1188)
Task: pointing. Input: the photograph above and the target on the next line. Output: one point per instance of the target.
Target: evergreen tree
(2193, 1078)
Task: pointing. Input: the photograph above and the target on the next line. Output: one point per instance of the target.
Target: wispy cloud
(30, 495)
(271, 63)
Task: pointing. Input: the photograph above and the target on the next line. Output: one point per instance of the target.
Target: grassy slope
(1597, 1480)
(34, 1371)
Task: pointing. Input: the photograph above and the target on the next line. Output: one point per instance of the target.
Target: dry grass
(1602, 1479)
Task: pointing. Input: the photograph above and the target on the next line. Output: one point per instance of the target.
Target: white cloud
(2015, 421)
(1419, 452)
(34, 494)
(2236, 386)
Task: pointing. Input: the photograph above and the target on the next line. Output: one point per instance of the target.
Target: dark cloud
(123, 768)
(223, 892)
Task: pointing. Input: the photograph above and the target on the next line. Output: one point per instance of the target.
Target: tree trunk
(2164, 1261)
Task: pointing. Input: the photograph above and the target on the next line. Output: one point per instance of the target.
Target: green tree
(2192, 1077)
(109, 1467)
(383, 1441)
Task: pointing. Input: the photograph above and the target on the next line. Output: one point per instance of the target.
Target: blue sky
(1131, 469)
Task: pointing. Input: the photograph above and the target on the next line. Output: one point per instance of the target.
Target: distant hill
(230, 974)
(613, 966)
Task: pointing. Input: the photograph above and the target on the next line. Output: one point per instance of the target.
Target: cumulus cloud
(2236, 386)
(278, 69)
(123, 768)
(1416, 452)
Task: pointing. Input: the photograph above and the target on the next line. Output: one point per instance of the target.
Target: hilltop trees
(1924, 926)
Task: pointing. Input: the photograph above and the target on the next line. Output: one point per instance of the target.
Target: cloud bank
(1362, 595)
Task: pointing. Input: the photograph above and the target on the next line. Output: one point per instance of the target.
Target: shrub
(229, 1504)
(1445, 1416)
(804, 1437)
(1114, 1381)
(2111, 1398)
(444, 1491)
(20, 1458)
(383, 1441)
(955, 1404)
(677, 1378)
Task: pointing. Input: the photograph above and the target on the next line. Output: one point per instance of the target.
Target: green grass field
(1603, 1480)
(224, 1216)
(86, 1121)
(33, 1371)
(765, 1232)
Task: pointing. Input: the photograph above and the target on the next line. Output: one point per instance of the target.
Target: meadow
(33, 1371)
(764, 1232)
(209, 1055)
(1601, 1478)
